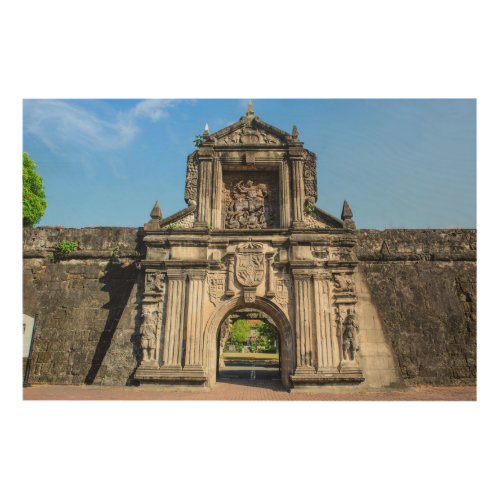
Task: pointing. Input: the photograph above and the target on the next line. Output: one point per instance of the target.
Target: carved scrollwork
(191, 192)
(310, 181)
(155, 283)
(249, 135)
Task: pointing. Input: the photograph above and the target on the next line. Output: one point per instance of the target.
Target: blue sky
(400, 163)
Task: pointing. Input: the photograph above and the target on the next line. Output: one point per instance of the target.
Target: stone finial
(347, 216)
(250, 111)
(346, 211)
(206, 132)
(295, 133)
(156, 212)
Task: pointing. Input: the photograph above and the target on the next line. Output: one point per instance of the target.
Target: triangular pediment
(253, 131)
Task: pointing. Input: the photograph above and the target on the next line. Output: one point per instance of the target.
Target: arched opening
(269, 310)
(248, 347)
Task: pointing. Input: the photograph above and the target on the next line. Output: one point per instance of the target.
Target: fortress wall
(423, 285)
(420, 288)
(85, 307)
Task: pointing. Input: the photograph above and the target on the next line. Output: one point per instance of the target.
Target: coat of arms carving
(283, 291)
(216, 283)
(250, 264)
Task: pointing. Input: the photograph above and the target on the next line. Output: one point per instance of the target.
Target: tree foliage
(34, 203)
(240, 330)
(268, 338)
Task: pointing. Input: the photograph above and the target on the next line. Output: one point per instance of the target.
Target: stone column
(217, 195)
(204, 191)
(322, 321)
(298, 191)
(194, 319)
(284, 194)
(230, 291)
(303, 326)
(174, 325)
(270, 286)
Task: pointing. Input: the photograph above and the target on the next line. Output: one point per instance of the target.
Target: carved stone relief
(283, 288)
(341, 253)
(155, 283)
(249, 201)
(249, 135)
(250, 264)
(310, 182)
(191, 191)
(321, 252)
(185, 222)
(343, 283)
(313, 221)
(216, 286)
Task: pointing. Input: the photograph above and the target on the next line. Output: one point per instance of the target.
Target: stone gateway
(251, 235)
(153, 305)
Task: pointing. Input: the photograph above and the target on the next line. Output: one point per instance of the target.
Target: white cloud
(58, 123)
(155, 109)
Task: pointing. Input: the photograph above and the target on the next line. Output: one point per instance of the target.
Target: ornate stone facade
(256, 240)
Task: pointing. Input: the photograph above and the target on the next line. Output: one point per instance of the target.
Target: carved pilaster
(270, 286)
(174, 325)
(204, 192)
(194, 321)
(217, 194)
(284, 195)
(323, 323)
(303, 326)
(298, 192)
(230, 291)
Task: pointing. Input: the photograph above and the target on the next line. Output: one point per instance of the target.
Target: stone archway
(274, 312)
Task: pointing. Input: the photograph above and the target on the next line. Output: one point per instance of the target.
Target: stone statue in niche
(349, 333)
(225, 332)
(148, 335)
(247, 208)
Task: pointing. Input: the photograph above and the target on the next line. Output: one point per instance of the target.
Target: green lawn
(254, 355)
(251, 357)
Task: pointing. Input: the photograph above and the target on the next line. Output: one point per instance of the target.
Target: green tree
(34, 203)
(268, 336)
(240, 330)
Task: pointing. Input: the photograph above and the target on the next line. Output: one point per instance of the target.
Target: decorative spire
(156, 212)
(250, 111)
(346, 211)
(347, 216)
(206, 132)
(295, 133)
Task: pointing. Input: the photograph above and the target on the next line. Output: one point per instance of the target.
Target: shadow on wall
(118, 282)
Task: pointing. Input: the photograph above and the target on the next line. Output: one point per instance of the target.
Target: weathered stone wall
(85, 307)
(422, 282)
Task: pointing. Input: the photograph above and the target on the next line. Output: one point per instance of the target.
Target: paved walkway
(253, 390)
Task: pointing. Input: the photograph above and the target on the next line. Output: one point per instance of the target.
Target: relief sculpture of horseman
(247, 208)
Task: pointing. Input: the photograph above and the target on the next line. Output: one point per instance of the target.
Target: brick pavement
(246, 391)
